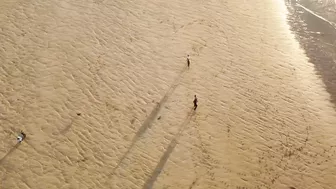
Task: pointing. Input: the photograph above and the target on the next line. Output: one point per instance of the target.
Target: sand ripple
(102, 91)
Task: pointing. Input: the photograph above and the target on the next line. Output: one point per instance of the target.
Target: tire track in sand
(148, 121)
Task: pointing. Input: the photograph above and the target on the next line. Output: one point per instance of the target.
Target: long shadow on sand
(9, 153)
(67, 128)
(163, 160)
(147, 123)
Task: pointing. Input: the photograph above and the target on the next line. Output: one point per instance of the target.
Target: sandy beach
(103, 92)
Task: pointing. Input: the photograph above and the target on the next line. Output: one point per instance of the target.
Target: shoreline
(315, 34)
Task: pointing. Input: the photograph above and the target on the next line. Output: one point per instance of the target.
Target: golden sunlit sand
(102, 91)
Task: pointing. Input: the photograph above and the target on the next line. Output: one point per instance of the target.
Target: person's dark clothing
(195, 103)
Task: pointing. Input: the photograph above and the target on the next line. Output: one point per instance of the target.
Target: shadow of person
(10, 152)
(164, 158)
(150, 118)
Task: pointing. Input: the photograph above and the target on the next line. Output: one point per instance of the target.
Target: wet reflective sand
(102, 91)
(315, 29)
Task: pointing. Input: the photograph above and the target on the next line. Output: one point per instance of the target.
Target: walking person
(188, 61)
(21, 136)
(195, 102)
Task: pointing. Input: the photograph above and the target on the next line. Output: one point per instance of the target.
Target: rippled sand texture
(264, 119)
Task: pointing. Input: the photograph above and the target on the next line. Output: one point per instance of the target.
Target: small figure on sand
(21, 136)
(188, 61)
(195, 102)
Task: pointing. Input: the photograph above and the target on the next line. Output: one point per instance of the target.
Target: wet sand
(315, 29)
(102, 90)
(324, 8)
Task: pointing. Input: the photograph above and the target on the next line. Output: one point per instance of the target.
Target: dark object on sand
(79, 114)
(21, 136)
(159, 118)
(195, 102)
(188, 61)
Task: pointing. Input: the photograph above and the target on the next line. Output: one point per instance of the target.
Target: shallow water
(316, 33)
(264, 118)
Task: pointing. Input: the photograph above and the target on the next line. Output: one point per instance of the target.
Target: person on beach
(188, 61)
(21, 136)
(195, 102)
